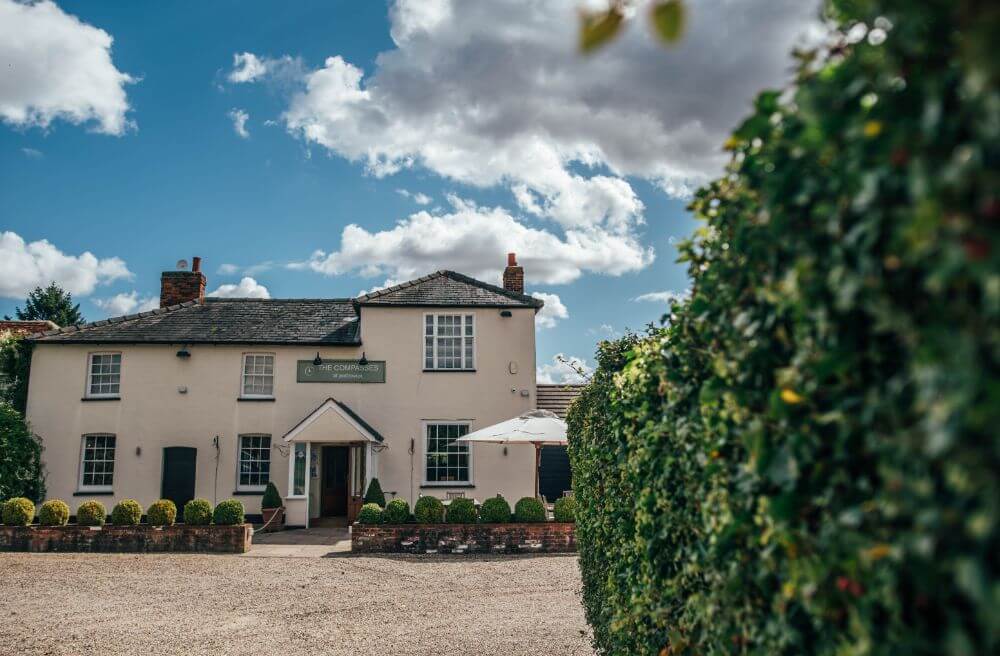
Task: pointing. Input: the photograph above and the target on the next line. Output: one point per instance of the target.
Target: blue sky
(447, 135)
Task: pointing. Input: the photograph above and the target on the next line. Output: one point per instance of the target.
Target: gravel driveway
(202, 604)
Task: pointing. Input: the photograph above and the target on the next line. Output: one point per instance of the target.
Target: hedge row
(21, 512)
(430, 510)
(805, 459)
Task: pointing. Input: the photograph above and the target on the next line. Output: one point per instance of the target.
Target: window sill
(248, 493)
(447, 485)
(449, 371)
(81, 493)
(255, 399)
(87, 399)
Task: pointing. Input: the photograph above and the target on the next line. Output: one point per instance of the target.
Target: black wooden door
(179, 467)
(554, 475)
(334, 495)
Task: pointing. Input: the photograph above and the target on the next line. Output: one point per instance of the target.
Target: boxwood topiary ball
(429, 510)
(198, 512)
(462, 511)
(18, 512)
(126, 512)
(529, 509)
(565, 509)
(495, 510)
(370, 513)
(53, 513)
(162, 513)
(396, 511)
(91, 513)
(229, 513)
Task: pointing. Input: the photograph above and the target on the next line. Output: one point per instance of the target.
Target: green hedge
(397, 511)
(126, 512)
(804, 460)
(53, 513)
(91, 513)
(162, 513)
(18, 512)
(529, 509)
(564, 509)
(198, 512)
(494, 510)
(229, 513)
(375, 493)
(371, 513)
(20, 456)
(461, 511)
(428, 510)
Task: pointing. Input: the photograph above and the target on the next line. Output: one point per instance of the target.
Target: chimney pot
(513, 275)
(511, 259)
(195, 264)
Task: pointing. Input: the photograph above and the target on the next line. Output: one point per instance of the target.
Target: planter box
(540, 537)
(273, 519)
(127, 539)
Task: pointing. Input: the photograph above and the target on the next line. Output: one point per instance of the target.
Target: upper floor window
(449, 341)
(255, 462)
(104, 374)
(97, 463)
(258, 374)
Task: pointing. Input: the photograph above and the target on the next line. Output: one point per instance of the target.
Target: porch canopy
(536, 427)
(333, 421)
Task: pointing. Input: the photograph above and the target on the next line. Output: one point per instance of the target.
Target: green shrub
(461, 511)
(126, 512)
(529, 509)
(229, 513)
(53, 513)
(397, 511)
(18, 512)
(162, 513)
(565, 509)
(375, 494)
(271, 498)
(198, 512)
(20, 454)
(428, 510)
(371, 513)
(91, 513)
(494, 510)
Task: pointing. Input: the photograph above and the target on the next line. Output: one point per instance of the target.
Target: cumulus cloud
(418, 197)
(474, 239)
(24, 266)
(240, 118)
(551, 312)
(55, 66)
(127, 303)
(564, 369)
(227, 269)
(662, 297)
(247, 288)
(247, 67)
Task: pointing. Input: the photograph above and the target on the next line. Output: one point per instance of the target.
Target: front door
(178, 475)
(334, 481)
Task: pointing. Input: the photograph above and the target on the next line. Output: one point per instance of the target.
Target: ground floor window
(255, 462)
(97, 463)
(447, 461)
(358, 472)
(299, 469)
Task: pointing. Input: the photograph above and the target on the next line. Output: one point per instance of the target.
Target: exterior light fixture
(184, 353)
(506, 314)
(363, 361)
(317, 361)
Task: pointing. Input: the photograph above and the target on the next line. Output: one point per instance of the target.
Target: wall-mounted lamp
(363, 361)
(506, 314)
(138, 451)
(317, 361)
(184, 353)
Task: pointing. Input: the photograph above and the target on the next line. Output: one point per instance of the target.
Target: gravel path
(198, 604)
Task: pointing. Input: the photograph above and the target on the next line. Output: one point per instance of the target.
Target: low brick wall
(541, 537)
(131, 539)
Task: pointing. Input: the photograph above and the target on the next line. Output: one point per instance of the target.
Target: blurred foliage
(667, 19)
(21, 473)
(805, 459)
(15, 364)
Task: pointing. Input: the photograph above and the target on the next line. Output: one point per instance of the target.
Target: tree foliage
(20, 457)
(15, 364)
(805, 459)
(51, 303)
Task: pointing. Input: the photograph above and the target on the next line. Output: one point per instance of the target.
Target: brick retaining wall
(132, 539)
(547, 537)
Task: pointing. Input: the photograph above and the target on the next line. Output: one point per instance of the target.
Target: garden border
(127, 539)
(516, 537)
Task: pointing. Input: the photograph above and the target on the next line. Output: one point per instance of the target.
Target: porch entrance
(334, 490)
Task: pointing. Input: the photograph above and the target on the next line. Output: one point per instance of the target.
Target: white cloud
(662, 297)
(605, 329)
(418, 197)
(473, 240)
(227, 269)
(240, 118)
(551, 312)
(564, 369)
(24, 266)
(32, 153)
(389, 282)
(247, 67)
(127, 303)
(247, 288)
(57, 67)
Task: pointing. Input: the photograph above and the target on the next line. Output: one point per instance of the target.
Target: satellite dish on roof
(182, 264)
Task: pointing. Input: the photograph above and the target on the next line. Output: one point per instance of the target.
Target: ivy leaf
(668, 18)
(598, 29)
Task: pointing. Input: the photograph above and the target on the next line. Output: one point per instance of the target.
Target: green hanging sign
(341, 371)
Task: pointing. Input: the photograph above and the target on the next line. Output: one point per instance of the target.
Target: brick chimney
(182, 286)
(513, 275)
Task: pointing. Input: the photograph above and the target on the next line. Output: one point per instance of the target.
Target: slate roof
(557, 397)
(225, 321)
(448, 289)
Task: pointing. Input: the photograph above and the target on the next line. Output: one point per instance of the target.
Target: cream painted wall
(152, 414)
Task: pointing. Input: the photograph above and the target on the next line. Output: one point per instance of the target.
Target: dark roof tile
(448, 288)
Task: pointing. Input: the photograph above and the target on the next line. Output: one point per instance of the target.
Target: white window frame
(83, 452)
(423, 460)
(467, 366)
(90, 376)
(243, 375)
(240, 486)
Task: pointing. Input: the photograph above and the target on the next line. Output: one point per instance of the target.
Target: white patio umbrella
(536, 427)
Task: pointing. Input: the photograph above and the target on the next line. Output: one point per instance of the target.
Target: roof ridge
(458, 277)
(113, 320)
(517, 296)
(216, 299)
(403, 285)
